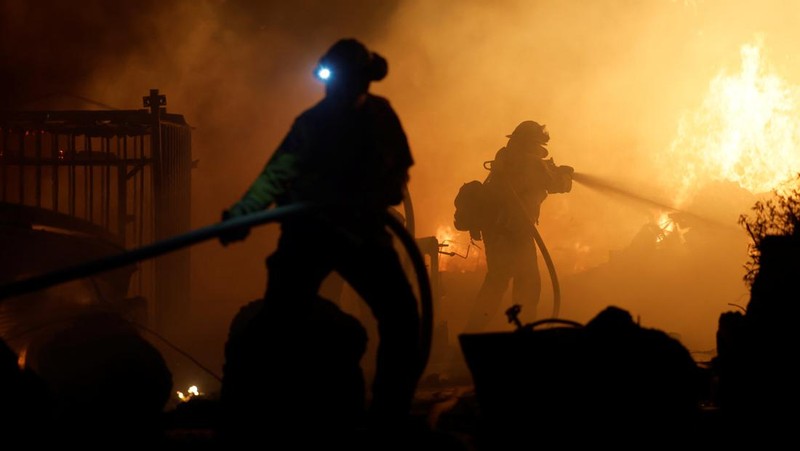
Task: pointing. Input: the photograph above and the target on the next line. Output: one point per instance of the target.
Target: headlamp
(323, 73)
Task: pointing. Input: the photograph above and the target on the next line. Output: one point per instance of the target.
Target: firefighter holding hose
(350, 151)
(520, 179)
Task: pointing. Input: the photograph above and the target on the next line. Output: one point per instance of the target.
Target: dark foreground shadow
(610, 382)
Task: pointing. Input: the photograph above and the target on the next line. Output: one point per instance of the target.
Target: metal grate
(117, 177)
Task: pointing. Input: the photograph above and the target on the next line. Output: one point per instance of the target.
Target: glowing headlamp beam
(324, 73)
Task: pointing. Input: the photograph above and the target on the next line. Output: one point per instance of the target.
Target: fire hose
(551, 269)
(214, 231)
(548, 260)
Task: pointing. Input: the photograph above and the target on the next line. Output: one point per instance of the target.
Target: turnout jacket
(332, 154)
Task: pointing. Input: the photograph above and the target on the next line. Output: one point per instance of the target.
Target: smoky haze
(610, 79)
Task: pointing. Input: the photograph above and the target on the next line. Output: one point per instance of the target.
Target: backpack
(474, 208)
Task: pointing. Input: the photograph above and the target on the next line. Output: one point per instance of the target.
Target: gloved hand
(475, 235)
(569, 171)
(236, 234)
(561, 179)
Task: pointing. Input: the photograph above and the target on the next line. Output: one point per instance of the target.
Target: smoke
(239, 71)
(610, 79)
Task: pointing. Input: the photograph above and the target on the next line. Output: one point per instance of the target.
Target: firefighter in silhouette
(520, 179)
(348, 150)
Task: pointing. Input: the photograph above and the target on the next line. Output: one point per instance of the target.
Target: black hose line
(550, 321)
(426, 296)
(551, 269)
(216, 230)
(155, 249)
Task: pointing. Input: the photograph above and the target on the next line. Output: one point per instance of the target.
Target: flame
(22, 358)
(191, 392)
(746, 131)
(581, 252)
(666, 225)
(457, 252)
(445, 234)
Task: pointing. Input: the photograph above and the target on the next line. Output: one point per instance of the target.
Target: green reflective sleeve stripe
(270, 184)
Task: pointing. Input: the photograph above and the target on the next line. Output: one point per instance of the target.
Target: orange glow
(745, 131)
(666, 224)
(663, 98)
(581, 251)
(191, 392)
(22, 358)
(457, 253)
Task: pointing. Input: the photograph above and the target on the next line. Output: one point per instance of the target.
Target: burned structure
(81, 185)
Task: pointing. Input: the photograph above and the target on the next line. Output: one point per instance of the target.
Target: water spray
(601, 185)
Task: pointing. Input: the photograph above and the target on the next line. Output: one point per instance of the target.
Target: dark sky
(53, 47)
(667, 99)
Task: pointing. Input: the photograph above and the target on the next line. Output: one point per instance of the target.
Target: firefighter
(348, 150)
(520, 179)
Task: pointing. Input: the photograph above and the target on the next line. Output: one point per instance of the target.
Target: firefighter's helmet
(351, 60)
(530, 132)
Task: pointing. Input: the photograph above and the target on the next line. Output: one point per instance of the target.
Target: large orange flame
(745, 131)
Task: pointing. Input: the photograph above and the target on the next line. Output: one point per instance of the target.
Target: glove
(475, 235)
(235, 234)
(561, 180)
